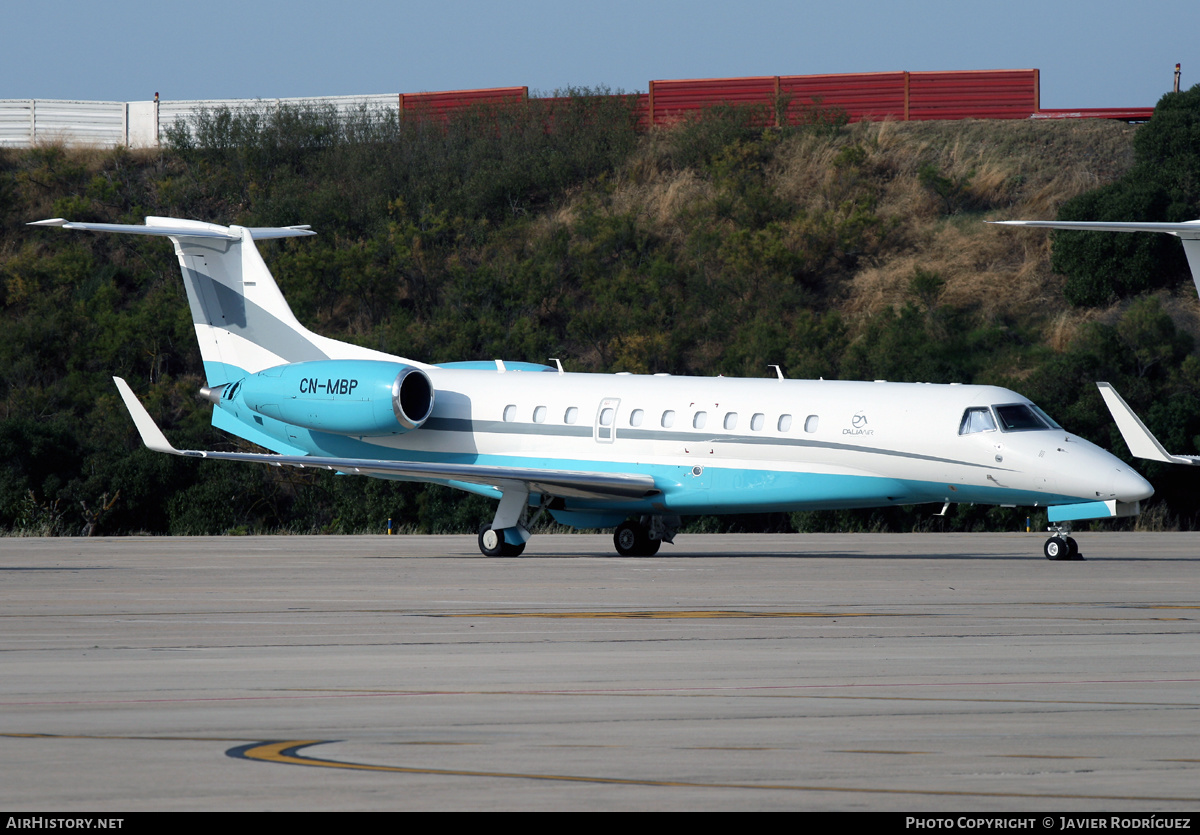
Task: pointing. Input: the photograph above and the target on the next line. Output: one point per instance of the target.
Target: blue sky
(1091, 54)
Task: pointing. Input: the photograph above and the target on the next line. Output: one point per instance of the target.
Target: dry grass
(662, 197)
(995, 170)
(1009, 170)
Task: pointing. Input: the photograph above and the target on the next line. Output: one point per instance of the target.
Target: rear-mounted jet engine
(365, 398)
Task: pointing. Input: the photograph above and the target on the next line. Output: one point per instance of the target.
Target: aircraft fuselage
(715, 445)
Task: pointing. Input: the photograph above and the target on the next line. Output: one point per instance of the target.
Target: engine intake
(412, 398)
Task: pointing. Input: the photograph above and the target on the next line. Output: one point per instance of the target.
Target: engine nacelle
(345, 397)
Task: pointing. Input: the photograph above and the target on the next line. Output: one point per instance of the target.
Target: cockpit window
(977, 419)
(1053, 423)
(1018, 417)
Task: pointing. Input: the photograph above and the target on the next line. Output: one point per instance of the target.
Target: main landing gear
(1061, 546)
(643, 537)
(635, 538)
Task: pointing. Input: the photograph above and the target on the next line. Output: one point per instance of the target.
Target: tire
(493, 544)
(1056, 548)
(633, 540)
(628, 539)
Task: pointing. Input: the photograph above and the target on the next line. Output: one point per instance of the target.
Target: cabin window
(977, 419)
(510, 413)
(571, 416)
(810, 423)
(668, 419)
(756, 422)
(731, 420)
(699, 419)
(606, 417)
(539, 414)
(635, 417)
(785, 423)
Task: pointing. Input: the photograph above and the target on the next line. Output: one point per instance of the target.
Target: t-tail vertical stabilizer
(243, 323)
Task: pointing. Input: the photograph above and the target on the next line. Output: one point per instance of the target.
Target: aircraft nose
(1096, 472)
(1129, 486)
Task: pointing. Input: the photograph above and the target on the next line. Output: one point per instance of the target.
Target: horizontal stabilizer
(243, 323)
(587, 485)
(1139, 439)
(167, 226)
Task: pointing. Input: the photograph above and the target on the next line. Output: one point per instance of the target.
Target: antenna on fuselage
(778, 371)
(555, 360)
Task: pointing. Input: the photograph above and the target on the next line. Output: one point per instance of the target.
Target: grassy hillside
(716, 247)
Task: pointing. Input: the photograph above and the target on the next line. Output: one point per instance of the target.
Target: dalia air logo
(859, 422)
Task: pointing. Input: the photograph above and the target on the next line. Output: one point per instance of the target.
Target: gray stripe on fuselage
(497, 427)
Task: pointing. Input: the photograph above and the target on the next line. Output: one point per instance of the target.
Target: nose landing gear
(1061, 546)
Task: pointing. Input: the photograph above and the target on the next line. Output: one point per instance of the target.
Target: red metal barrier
(861, 96)
(441, 104)
(672, 101)
(797, 99)
(1124, 114)
(986, 94)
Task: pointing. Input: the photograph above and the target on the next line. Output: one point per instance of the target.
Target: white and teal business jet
(601, 450)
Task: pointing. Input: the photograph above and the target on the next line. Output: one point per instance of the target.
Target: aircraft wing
(1137, 437)
(567, 483)
(1188, 229)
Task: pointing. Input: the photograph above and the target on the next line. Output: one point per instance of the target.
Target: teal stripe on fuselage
(223, 420)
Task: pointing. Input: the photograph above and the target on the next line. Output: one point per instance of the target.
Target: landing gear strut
(1061, 546)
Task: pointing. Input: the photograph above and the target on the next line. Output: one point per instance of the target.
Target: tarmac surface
(943, 672)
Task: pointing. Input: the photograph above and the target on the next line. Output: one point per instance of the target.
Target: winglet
(1138, 438)
(152, 436)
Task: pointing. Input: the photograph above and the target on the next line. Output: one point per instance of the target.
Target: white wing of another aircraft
(1139, 439)
(1188, 232)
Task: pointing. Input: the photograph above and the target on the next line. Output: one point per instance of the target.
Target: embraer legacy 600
(602, 450)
